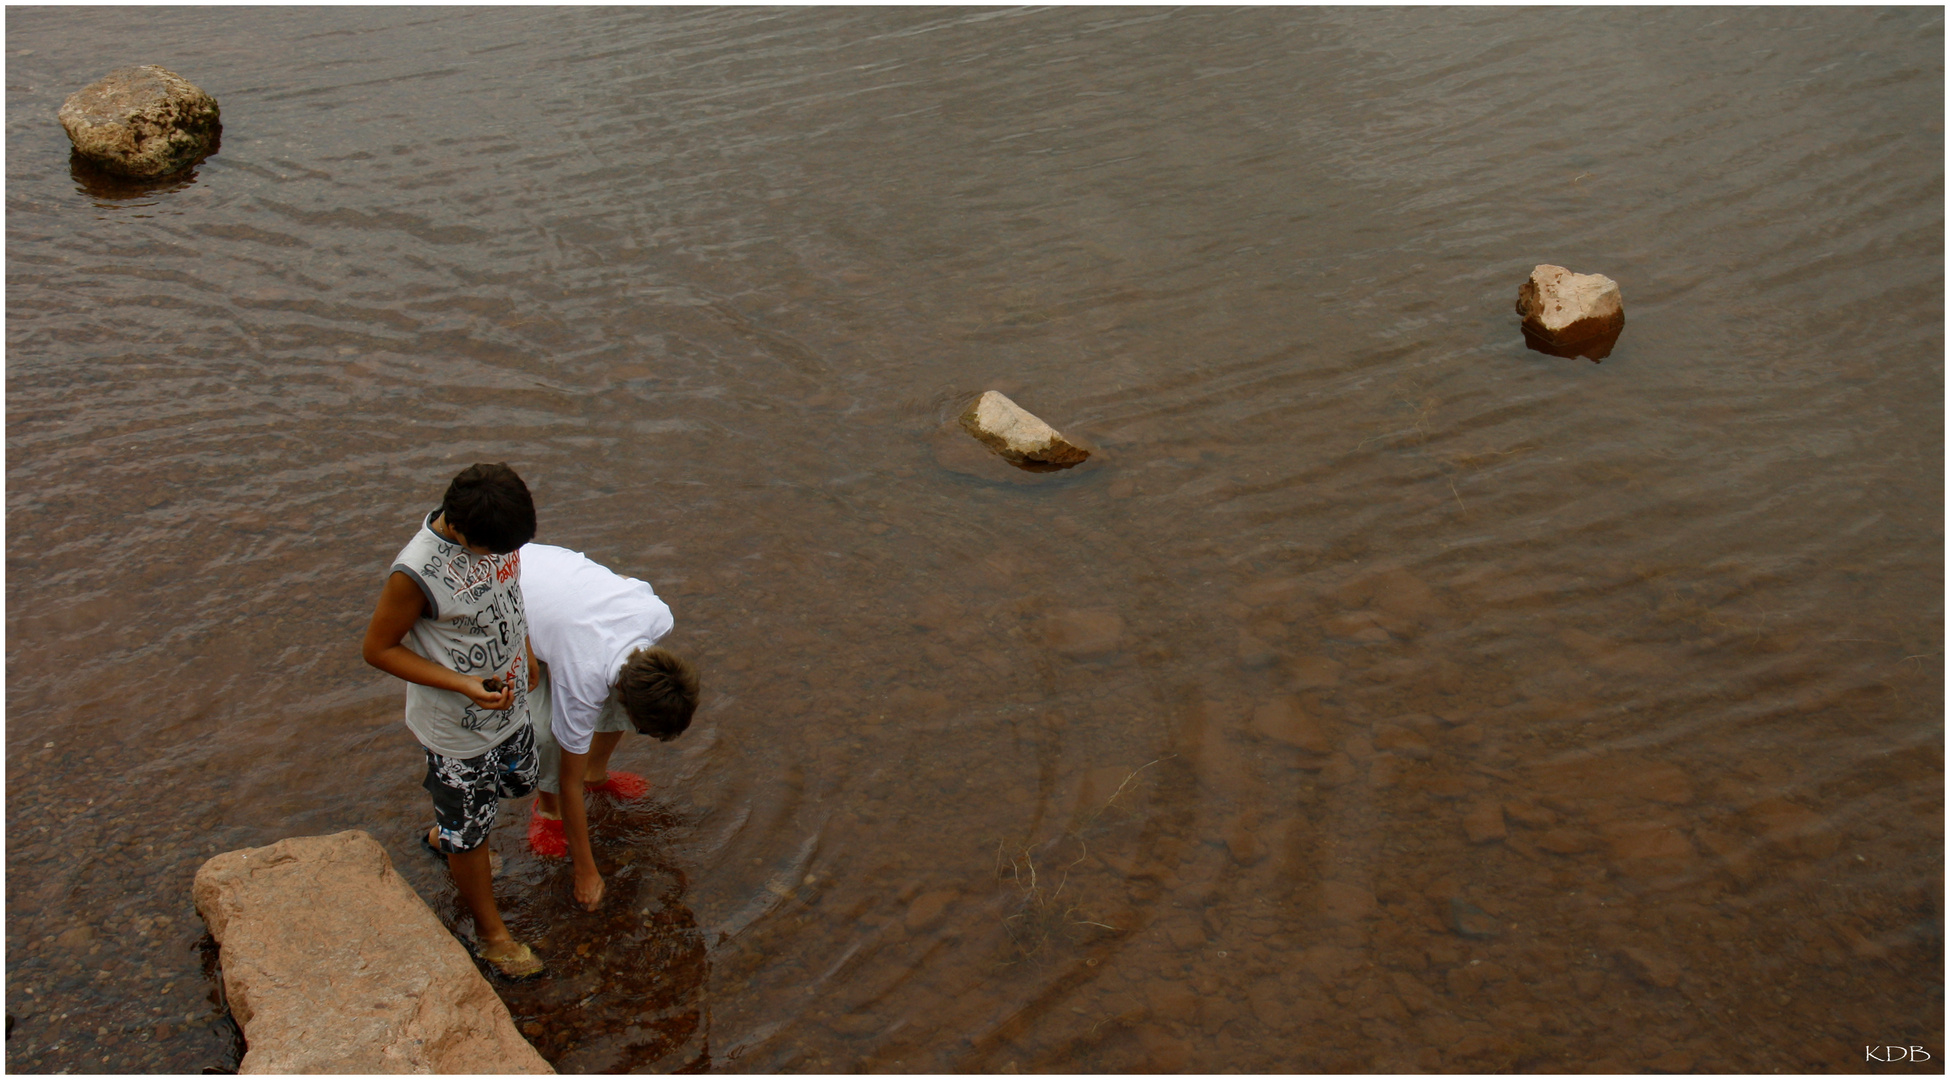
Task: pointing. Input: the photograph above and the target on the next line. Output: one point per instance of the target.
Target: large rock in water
(141, 122)
(1563, 308)
(1017, 434)
(332, 963)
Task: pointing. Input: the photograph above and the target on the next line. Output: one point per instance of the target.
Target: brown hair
(491, 507)
(658, 689)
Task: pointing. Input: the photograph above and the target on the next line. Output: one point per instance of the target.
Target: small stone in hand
(491, 684)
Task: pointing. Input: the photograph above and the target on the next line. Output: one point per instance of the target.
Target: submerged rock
(1017, 434)
(928, 907)
(141, 122)
(1084, 633)
(1471, 921)
(332, 963)
(1484, 823)
(1650, 967)
(1284, 720)
(1563, 309)
(1343, 902)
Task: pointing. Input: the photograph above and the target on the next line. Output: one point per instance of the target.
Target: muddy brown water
(1384, 695)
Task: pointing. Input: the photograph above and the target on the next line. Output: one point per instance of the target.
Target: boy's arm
(400, 605)
(575, 829)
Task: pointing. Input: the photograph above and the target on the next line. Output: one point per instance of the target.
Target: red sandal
(546, 838)
(623, 785)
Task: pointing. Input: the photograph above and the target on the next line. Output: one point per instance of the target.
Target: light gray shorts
(541, 714)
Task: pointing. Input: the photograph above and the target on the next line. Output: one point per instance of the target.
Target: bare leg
(601, 745)
(575, 829)
(475, 880)
(548, 805)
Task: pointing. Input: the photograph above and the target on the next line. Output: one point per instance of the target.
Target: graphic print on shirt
(478, 628)
(493, 625)
(497, 648)
(479, 577)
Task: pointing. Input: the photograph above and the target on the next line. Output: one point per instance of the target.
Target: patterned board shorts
(467, 791)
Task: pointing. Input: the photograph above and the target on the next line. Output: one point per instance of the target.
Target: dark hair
(658, 689)
(490, 506)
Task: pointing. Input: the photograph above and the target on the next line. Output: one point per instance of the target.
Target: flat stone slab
(333, 964)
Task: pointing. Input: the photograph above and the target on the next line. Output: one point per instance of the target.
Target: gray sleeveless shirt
(478, 628)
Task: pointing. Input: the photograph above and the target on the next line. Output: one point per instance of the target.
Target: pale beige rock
(1017, 434)
(140, 122)
(1564, 308)
(331, 963)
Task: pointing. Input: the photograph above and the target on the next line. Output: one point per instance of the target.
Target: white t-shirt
(584, 620)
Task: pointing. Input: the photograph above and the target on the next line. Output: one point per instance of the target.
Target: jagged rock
(331, 963)
(1017, 434)
(1563, 308)
(141, 122)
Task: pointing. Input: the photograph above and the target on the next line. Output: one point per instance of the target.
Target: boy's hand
(489, 693)
(589, 889)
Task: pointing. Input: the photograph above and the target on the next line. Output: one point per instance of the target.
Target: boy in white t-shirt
(595, 633)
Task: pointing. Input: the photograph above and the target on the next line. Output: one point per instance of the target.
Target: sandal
(623, 785)
(546, 838)
(511, 960)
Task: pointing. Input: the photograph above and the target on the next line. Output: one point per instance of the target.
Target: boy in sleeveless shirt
(595, 634)
(450, 621)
